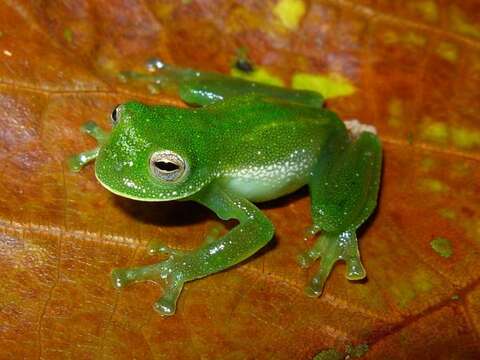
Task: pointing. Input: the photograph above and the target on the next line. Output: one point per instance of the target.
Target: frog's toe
(317, 282)
(355, 269)
(331, 248)
(311, 232)
(156, 247)
(306, 259)
(213, 234)
(167, 304)
(91, 128)
(77, 162)
(122, 277)
(155, 272)
(154, 64)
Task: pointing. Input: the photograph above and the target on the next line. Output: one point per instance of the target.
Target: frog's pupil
(166, 166)
(114, 116)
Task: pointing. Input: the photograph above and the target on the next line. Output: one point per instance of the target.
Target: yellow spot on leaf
(442, 133)
(422, 282)
(357, 351)
(351, 352)
(465, 138)
(162, 10)
(290, 12)
(461, 24)
(395, 113)
(434, 131)
(330, 85)
(260, 75)
(428, 9)
(390, 37)
(68, 35)
(442, 247)
(329, 354)
(405, 291)
(447, 51)
(447, 214)
(411, 38)
(433, 185)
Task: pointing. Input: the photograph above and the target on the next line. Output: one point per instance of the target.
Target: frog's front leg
(343, 188)
(76, 162)
(251, 234)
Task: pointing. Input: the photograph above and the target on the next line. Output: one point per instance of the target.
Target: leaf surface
(415, 70)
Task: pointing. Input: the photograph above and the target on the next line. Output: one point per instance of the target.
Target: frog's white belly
(267, 182)
(258, 191)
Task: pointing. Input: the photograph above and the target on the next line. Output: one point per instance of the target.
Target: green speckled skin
(247, 143)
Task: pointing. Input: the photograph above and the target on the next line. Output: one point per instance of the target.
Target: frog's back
(263, 148)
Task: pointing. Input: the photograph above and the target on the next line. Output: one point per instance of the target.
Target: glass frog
(240, 143)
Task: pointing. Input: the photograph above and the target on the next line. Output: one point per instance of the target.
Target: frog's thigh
(344, 184)
(343, 189)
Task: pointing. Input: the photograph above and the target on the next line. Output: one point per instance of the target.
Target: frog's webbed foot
(173, 271)
(76, 162)
(167, 270)
(331, 248)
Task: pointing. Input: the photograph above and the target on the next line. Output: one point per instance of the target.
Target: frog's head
(151, 155)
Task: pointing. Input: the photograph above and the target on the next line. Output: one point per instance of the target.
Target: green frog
(239, 143)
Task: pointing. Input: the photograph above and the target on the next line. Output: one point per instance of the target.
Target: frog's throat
(158, 198)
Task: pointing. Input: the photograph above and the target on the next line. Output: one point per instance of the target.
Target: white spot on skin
(216, 249)
(130, 184)
(355, 128)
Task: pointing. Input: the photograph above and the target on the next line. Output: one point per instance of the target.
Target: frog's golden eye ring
(116, 114)
(167, 165)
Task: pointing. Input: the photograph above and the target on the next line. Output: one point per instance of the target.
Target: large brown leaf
(416, 69)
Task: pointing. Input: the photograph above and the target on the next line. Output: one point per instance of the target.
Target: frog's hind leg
(76, 162)
(206, 87)
(343, 188)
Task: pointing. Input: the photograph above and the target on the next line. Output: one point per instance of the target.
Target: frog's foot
(166, 270)
(76, 162)
(213, 234)
(159, 77)
(331, 247)
(311, 232)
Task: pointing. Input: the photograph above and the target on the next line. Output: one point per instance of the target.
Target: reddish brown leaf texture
(415, 69)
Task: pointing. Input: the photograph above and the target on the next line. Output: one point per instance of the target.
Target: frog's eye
(167, 166)
(115, 116)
